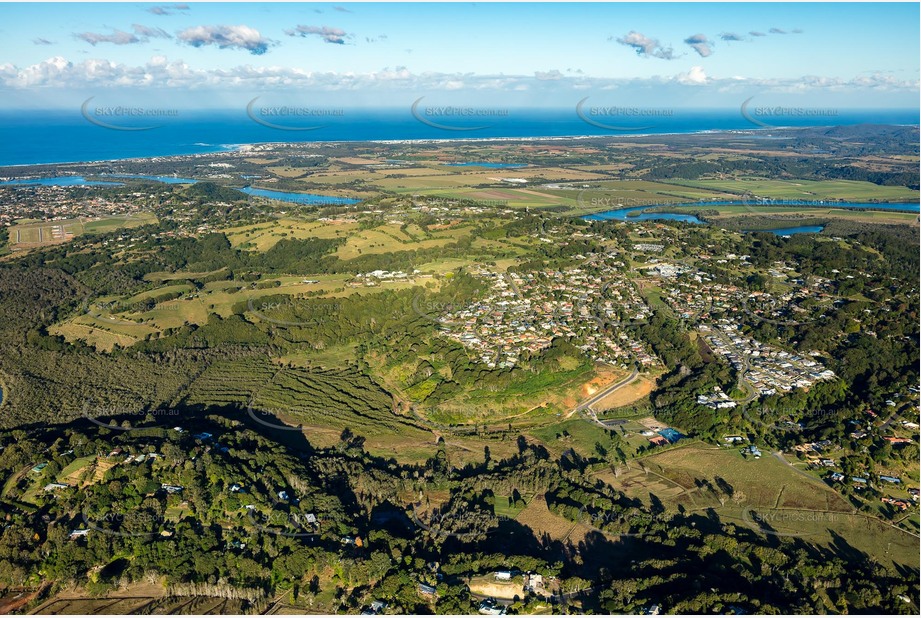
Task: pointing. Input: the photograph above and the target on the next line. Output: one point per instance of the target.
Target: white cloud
(695, 76)
(645, 46)
(227, 37)
(160, 72)
(701, 44)
(328, 34)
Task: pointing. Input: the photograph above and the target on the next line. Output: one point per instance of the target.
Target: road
(742, 384)
(604, 393)
(783, 460)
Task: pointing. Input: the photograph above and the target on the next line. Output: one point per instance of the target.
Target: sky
(213, 55)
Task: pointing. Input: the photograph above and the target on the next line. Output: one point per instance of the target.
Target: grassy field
(30, 234)
(766, 495)
(788, 215)
(848, 190)
(542, 521)
(264, 236)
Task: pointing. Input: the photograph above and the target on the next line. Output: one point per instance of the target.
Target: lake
(637, 213)
(299, 198)
(787, 231)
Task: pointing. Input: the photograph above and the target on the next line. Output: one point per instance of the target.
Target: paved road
(599, 396)
(746, 367)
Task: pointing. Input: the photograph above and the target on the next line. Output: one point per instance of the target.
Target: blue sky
(523, 54)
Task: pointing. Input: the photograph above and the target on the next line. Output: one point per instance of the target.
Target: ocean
(31, 137)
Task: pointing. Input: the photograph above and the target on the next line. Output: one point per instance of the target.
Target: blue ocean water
(59, 181)
(28, 137)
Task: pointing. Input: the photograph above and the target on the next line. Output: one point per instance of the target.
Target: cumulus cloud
(756, 33)
(701, 44)
(330, 35)
(41, 41)
(167, 9)
(99, 75)
(341, 9)
(694, 77)
(777, 31)
(645, 46)
(796, 31)
(227, 37)
(380, 37)
(731, 36)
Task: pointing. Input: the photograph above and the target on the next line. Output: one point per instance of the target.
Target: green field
(845, 190)
(28, 234)
(788, 502)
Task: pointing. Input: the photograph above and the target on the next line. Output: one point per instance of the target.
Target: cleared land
(766, 495)
(28, 235)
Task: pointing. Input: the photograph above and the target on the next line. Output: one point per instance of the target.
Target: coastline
(236, 147)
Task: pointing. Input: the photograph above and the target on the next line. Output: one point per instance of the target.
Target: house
(503, 576)
(890, 479)
(859, 480)
(54, 486)
(171, 489)
(489, 607)
(426, 590)
(899, 504)
(653, 610)
(658, 441)
(78, 533)
(897, 440)
(378, 606)
(756, 453)
(733, 439)
(311, 518)
(836, 477)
